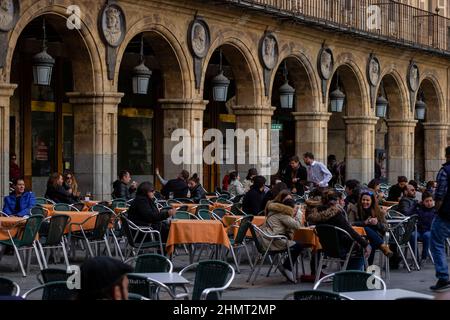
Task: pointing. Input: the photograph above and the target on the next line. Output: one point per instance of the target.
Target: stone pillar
(259, 119)
(435, 144)
(400, 149)
(95, 141)
(311, 134)
(184, 114)
(6, 91)
(360, 148)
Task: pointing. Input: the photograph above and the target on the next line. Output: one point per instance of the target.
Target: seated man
(121, 189)
(177, 187)
(395, 192)
(408, 203)
(19, 202)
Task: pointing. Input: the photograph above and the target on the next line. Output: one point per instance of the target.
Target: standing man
(318, 173)
(295, 176)
(440, 228)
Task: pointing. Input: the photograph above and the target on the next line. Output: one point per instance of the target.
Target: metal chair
(184, 215)
(314, 295)
(184, 200)
(9, 287)
(135, 296)
(206, 201)
(44, 201)
(201, 207)
(79, 206)
(393, 214)
(55, 238)
(238, 242)
(52, 275)
(204, 214)
(353, 280)
(400, 235)
(172, 201)
(337, 246)
(26, 241)
(212, 277)
(224, 201)
(38, 210)
(62, 207)
(119, 203)
(57, 290)
(263, 253)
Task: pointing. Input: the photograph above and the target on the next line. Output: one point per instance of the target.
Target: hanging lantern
(381, 107)
(421, 107)
(337, 98)
(43, 65)
(220, 84)
(141, 74)
(286, 92)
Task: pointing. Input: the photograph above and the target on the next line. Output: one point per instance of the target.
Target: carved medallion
(413, 77)
(112, 25)
(373, 71)
(269, 51)
(9, 10)
(325, 63)
(199, 38)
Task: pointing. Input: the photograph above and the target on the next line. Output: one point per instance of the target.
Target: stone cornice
(108, 98)
(311, 116)
(253, 111)
(183, 104)
(6, 92)
(402, 123)
(360, 120)
(436, 126)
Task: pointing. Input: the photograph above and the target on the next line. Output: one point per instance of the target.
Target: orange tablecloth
(229, 220)
(119, 211)
(196, 231)
(6, 223)
(78, 217)
(308, 237)
(192, 206)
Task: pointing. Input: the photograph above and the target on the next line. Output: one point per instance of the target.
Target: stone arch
(397, 94)
(83, 82)
(245, 67)
(434, 98)
(304, 80)
(355, 86)
(173, 58)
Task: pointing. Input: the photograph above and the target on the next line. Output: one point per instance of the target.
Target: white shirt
(319, 173)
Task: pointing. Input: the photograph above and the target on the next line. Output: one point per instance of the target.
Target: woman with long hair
(71, 185)
(247, 184)
(235, 187)
(196, 189)
(56, 191)
(366, 213)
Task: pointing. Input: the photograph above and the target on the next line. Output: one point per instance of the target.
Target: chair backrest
(62, 207)
(8, 287)
(237, 198)
(353, 280)
(38, 210)
(224, 199)
(127, 230)
(182, 215)
(53, 275)
(40, 200)
(79, 206)
(210, 274)
(243, 228)
(101, 208)
(31, 229)
(201, 207)
(393, 214)
(255, 238)
(58, 224)
(118, 204)
(335, 241)
(236, 210)
(205, 202)
(151, 263)
(183, 208)
(220, 212)
(315, 295)
(404, 230)
(101, 225)
(57, 290)
(184, 200)
(172, 201)
(135, 296)
(204, 214)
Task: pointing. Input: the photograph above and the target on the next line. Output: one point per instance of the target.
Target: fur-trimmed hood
(279, 208)
(318, 215)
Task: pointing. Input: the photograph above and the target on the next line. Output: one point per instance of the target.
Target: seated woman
(366, 213)
(196, 189)
(71, 185)
(143, 211)
(281, 220)
(235, 187)
(329, 211)
(19, 202)
(56, 191)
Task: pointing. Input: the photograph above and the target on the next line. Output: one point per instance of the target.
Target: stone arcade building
(89, 121)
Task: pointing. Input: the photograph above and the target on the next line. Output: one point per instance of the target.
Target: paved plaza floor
(274, 287)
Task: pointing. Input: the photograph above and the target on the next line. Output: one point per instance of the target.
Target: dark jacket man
(198, 193)
(121, 190)
(253, 201)
(178, 186)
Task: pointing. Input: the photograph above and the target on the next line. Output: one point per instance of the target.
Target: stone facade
(238, 33)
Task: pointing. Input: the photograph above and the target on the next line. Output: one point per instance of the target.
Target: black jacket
(301, 174)
(395, 192)
(407, 206)
(121, 190)
(143, 212)
(198, 193)
(253, 201)
(59, 195)
(178, 186)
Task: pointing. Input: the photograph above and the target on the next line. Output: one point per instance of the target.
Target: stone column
(6, 92)
(360, 148)
(95, 141)
(184, 114)
(400, 149)
(435, 144)
(311, 134)
(259, 119)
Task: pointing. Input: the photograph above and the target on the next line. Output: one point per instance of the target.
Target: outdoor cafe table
(170, 279)
(8, 223)
(192, 206)
(78, 217)
(389, 294)
(196, 231)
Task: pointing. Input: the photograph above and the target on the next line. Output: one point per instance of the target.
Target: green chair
(353, 280)
(140, 238)
(314, 295)
(212, 277)
(79, 206)
(55, 238)
(239, 241)
(44, 201)
(57, 290)
(184, 215)
(9, 287)
(205, 202)
(201, 207)
(119, 203)
(62, 207)
(204, 214)
(26, 241)
(220, 212)
(38, 210)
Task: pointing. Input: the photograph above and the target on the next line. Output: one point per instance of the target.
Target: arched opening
(140, 116)
(41, 117)
(220, 115)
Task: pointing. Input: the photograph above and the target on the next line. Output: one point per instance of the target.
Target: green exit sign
(277, 126)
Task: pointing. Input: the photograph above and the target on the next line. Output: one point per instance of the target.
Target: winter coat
(426, 216)
(236, 188)
(358, 219)
(26, 202)
(121, 190)
(407, 206)
(280, 221)
(253, 201)
(178, 186)
(198, 193)
(58, 194)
